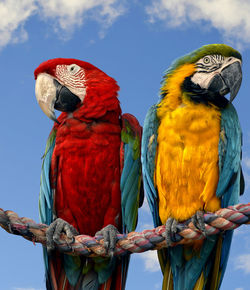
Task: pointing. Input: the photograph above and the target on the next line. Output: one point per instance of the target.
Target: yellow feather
(199, 283)
(187, 171)
(172, 86)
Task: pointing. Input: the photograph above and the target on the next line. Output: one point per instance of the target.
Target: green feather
(209, 49)
(50, 141)
(129, 137)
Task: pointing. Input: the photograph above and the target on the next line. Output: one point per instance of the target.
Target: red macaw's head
(66, 84)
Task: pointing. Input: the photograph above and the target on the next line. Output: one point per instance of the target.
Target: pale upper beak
(45, 91)
(52, 95)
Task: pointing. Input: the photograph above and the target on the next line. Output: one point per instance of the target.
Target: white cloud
(150, 261)
(65, 16)
(239, 288)
(230, 17)
(13, 15)
(243, 262)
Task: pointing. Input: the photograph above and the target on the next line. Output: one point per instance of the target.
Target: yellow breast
(186, 174)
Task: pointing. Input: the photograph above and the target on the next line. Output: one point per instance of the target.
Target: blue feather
(229, 149)
(128, 163)
(149, 144)
(46, 195)
(230, 171)
(130, 179)
(73, 268)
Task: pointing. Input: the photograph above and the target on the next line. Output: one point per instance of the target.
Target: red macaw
(91, 172)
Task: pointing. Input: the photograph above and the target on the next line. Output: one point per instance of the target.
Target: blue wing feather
(130, 181)
(131, 172)
(229, 153)
(229, 185)
(46, 194)
(128, 162)
(149, 144)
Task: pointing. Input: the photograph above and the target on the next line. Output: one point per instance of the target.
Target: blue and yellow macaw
(191, 152)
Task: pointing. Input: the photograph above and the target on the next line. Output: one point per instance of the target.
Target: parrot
(191, 162)
(91, 172)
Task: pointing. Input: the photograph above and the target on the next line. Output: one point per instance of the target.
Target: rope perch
(222, 220)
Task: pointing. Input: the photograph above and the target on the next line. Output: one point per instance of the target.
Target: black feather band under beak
(66, 101)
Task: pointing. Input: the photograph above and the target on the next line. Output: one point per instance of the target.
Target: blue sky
(132, 42)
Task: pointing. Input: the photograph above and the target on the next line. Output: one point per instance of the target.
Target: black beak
(228, 80)
(66, 101)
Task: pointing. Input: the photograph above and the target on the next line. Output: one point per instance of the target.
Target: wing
(46, 195)
(149, 146)
(231, 181)
(130, 184)
(130, 171)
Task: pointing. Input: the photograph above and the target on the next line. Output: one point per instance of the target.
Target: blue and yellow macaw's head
(205, 76)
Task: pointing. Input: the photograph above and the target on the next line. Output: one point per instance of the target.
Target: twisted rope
(222, 220)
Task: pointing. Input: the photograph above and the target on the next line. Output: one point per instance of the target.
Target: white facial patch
(45, 91)
(202, 79)
(208, 67)
(73, 77)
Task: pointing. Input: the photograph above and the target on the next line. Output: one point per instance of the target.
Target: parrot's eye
(206, 60)
(73, 68)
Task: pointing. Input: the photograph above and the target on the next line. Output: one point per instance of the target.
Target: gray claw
(55, 230)
(171, 228)
(109, 234)
(198, 221)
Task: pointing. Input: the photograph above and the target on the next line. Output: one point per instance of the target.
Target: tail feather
(163, 259)
(191, 267)
(167, 283)
(199, 285)
(57, 279)
(215, 276)
(90, 281)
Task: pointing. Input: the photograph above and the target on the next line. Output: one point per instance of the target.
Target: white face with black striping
(73, 77)
(208, 66)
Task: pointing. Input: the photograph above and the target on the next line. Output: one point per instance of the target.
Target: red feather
(86, 166)
(86, 162)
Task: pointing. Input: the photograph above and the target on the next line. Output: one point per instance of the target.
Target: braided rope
(222, 220)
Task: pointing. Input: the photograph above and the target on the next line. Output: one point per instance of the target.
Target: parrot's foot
(55, 230)
(171, 229)
(198, 221)
(109, 234)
